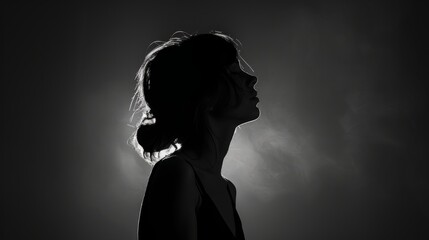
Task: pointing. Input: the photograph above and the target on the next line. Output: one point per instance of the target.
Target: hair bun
(153, 136)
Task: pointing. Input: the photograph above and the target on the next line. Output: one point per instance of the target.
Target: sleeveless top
(210, 223)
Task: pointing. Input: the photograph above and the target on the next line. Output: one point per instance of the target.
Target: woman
(193, 94)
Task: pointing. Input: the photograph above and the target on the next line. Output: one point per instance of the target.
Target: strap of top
(199, 184)
(200, 187)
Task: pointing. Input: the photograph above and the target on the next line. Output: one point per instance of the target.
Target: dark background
(339, 152)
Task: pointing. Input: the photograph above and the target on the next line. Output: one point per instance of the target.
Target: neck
(213, 145)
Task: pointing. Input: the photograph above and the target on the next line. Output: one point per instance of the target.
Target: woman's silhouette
(192, 93)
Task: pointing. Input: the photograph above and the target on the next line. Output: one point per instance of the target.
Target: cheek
(229, 94)
(236, 92)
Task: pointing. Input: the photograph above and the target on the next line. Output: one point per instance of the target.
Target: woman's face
(245, 93)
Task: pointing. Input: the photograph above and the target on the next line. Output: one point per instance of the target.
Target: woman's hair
(179, 80)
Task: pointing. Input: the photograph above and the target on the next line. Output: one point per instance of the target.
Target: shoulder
(173, 172)
(173, 180)
(170, 201)
(175, 164)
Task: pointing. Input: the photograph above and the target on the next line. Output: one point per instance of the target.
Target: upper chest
(218, 198)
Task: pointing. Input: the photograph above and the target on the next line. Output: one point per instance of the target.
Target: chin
(254, 115)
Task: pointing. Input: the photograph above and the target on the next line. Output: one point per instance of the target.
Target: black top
(176, 205)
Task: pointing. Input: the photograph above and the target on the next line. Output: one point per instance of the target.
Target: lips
(254, 97)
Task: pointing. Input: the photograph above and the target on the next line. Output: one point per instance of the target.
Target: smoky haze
(339, 151)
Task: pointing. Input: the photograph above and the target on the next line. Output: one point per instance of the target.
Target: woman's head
(178, 82)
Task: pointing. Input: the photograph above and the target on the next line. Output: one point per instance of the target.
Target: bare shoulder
(174, 169)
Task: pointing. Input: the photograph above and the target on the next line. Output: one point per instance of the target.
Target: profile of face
(245, 95)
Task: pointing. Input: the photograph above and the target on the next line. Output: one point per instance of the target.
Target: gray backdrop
(339, 152)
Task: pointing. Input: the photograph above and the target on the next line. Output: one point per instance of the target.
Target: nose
(252, 81)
